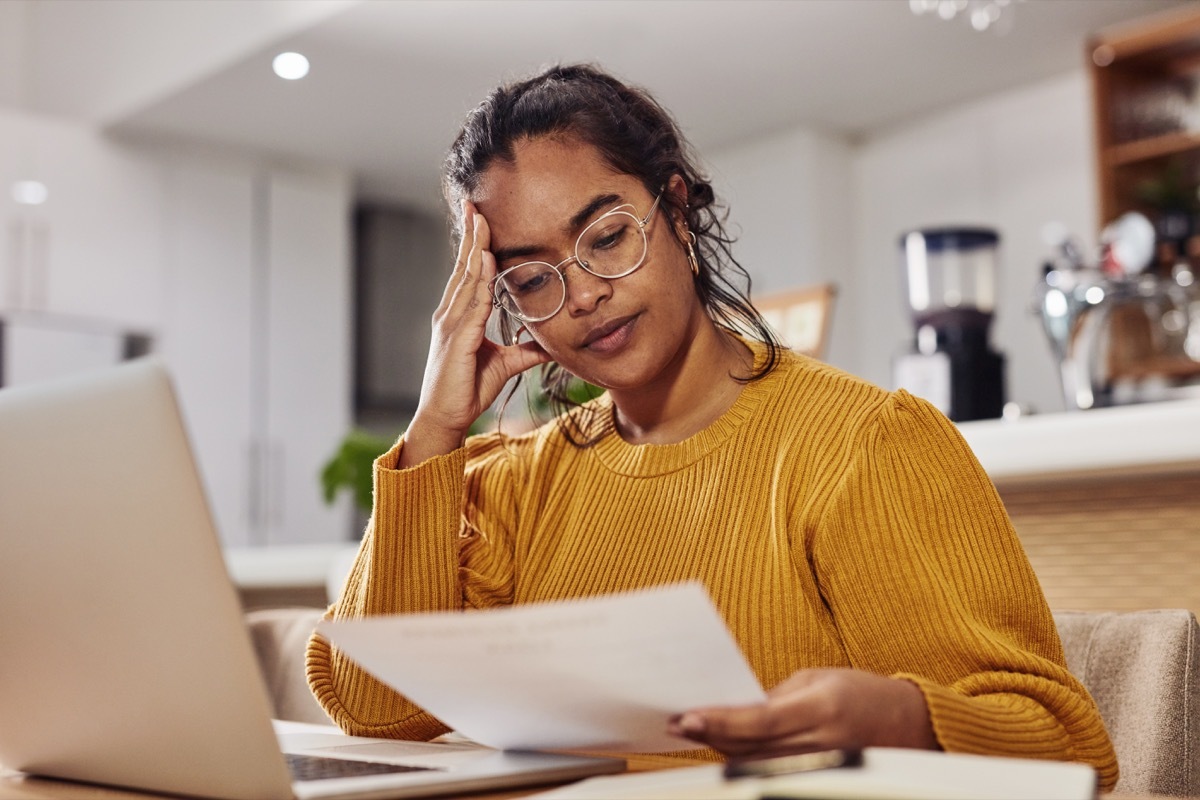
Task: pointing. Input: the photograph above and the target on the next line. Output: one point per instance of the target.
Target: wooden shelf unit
(1165, 145)
(1146, 107)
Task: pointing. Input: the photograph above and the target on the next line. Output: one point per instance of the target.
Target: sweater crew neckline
(648, 460)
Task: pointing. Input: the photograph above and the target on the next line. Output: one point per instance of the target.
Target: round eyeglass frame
(628, 210)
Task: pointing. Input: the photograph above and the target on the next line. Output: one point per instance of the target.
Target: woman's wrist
(423, 441)
(909, 724)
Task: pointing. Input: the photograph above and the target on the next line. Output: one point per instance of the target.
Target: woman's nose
(585, 291)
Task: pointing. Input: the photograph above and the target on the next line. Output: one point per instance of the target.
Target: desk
(15, 786)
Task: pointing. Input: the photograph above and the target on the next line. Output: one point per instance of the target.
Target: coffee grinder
(950, 281)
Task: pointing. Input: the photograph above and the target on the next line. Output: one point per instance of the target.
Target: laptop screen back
(123, 658)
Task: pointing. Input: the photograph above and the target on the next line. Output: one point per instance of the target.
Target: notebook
(124, 657)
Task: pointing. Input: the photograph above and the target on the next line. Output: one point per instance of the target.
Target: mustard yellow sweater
(833, 523)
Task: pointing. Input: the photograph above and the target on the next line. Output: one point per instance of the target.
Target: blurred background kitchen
(999, 197)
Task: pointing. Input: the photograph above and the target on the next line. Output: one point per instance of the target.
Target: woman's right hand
(466, 371)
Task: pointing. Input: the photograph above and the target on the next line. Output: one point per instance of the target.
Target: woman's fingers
(464, 249)
(817, 709)
(469, 290)
(733, 737)
(797, 716)
(485, 267)
(756, 724)
(501, 363)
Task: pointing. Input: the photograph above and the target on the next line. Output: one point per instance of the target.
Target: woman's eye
(609, 238)
(532, 283)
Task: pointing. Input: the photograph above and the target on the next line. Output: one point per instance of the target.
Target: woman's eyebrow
(511, 253)
(584, 214)
(576, 222)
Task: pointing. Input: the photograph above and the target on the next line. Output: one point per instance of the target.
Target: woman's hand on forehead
(466, 371)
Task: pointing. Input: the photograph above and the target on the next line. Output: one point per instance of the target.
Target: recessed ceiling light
(29, 193)
(290, 66)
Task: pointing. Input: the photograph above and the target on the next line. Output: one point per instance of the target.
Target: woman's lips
(610, 336)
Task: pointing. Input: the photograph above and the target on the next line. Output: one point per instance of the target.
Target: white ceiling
(391, 79)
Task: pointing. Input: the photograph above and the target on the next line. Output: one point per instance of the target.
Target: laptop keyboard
(317, 768)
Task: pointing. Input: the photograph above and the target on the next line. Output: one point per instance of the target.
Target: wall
(13, 21)
(791, 209)
(814, 207)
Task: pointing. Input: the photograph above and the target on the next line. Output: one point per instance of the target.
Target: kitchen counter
(1106, 501)
(1146, 439)
(289, 575)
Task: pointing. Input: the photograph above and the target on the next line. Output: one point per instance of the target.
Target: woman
(859, 554)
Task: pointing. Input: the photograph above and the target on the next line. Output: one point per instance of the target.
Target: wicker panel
(1113, 544)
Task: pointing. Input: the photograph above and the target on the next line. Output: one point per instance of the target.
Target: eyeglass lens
(611, 247)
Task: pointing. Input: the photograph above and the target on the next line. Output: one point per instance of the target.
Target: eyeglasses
(611, 247)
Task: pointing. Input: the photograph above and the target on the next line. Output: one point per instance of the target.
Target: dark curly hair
(635, 136)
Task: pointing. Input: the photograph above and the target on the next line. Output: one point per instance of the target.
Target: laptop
(124, 657)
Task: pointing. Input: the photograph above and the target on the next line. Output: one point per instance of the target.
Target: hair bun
(701, 195)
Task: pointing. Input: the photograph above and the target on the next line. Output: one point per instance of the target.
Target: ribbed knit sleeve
(927, 581)
(408, 562)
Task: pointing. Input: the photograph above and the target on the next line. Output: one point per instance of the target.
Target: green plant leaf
(580, 391)
(350, 467)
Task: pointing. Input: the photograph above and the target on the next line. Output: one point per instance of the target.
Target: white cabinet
(207, 340)
(307, 350)
(94, 248)
(257, 333)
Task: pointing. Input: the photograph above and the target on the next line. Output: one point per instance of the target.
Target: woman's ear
(677, 188)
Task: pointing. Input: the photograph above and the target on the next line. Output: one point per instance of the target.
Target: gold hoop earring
(516, 339)
(693, 262)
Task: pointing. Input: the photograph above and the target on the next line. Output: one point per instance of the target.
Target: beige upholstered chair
(280, 636)
(1143, 669)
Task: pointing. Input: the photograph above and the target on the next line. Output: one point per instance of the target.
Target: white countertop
(1137, 439)
(291, 565)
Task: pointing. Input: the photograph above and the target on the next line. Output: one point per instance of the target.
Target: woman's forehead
(549, 178)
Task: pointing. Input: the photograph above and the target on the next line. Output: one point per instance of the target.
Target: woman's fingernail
(691, 723)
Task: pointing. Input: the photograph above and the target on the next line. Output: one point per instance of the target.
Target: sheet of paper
(603, 673)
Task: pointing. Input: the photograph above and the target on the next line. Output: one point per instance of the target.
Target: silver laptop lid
(123, 659)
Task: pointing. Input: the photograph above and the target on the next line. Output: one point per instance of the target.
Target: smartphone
(789, 765)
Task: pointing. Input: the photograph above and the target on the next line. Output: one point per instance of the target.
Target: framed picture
(800, 317)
